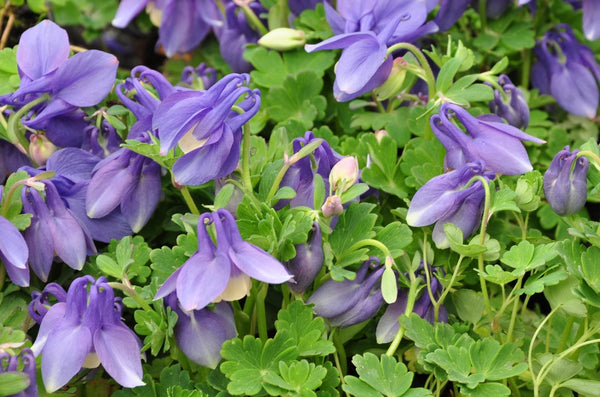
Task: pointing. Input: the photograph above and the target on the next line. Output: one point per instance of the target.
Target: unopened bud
(40, 148)
(394, 82)
(379, 134)
(333, 206)
(283, 39)
(344, 174)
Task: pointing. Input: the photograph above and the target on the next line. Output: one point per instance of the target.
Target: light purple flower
(444, 199)
(308, 262)
(201, 333)
(565, 182)
(514, 108)
(87, 327)
(222, 271)
(14, 252)
(497, 144)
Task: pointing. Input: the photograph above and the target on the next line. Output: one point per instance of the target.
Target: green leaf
(589, 267)
(455, 361)
(495, 274)
(13, 382)
(585, 387)
(504, 200)
(447, 73)
(525, 256)
(384, 170)
(455, 236)
(469, 305)
(395, 236)
(422, 160)
(109, 267)
(299, 378)
(305, 329)
(389, 286)
(496, 361)
(486, 390)
(537, 282)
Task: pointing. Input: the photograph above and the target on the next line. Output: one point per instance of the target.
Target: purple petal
(258, 264)
(73, 163)
(182, 27)
(169, 285)
(127, 10)
(86, 78)
(340, 41)
(202, 279)
(591, 19)
(66, 129)
(575, 89)
(50, 321)
(118, 349)
(42, 49)
(388, 325)
(141, 200)
(55, 107)
(12, 245)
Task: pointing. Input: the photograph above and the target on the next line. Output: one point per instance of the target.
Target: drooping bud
(394, 82)
(283, 39)
(333, 206)
(40, 148)
(307, 263)
(344, 174)
(565, 184)
(514, 108)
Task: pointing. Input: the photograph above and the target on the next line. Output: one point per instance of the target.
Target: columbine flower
(13, 251)
(351, 301)
(10, 362)
(308, 262)
(591, 18)
(497, 144)
(201, 333)
(514, 109)
(44, 68)
(205, 128)
(198, 78)
(444, 199)
(567, 70)
(222, 271)
(87, 330)
(565, 182)
(11, 158)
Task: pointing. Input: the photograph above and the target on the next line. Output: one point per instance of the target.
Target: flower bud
(379, 134)
(394, 82)
(307, 263)
(514, 108)
(565, 184)
(283, 39)
(343, 174)
(333, 206)
(40, 148)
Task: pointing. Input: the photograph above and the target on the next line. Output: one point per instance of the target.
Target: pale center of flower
(91, 361)
(237, 288)
(189, 142)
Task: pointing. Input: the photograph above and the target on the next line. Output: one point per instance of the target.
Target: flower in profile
(13, 251)
(201, 333)
(200, 77)
(445, 199)
(221, 271)
(511, 104)
(308, 262)
(206, 128)
(567, 70)
(10, 363)
(87, 330)
(565, 182)
(351, 301)
(495, 143)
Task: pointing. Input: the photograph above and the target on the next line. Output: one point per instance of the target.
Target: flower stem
(132, 293)
(429, 77)
(410, 304)
(11, 130)
(246, 179)
(252, 19)
(261, 316)
(187, 197)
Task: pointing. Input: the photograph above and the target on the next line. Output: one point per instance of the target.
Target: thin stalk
(187, 197)
(7, 29)
(438, 304)
(534, 337)
(429, 76)
(373, 243)
(131, 292)
(410, 304)
(566, 332)
(261, 316)
(246, 180)
(253, 20)
(11, 129)
(513, 314)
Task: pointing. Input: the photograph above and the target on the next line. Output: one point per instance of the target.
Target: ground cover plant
(299, 198)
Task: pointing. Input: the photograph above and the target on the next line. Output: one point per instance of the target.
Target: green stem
(2, 275)
(566, 332)
(592, 156)
(132, 293)
(410, 304)
(429, 77)
(187, 197)
(246, 179)
(534, 337)
(261, 316)
(253, 20)
(513, 315)
(483, 13)
(11, 130)
(438, 304)
(373, 243)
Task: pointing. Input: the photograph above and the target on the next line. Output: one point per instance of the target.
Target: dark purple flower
(201, 333)
(444, 199)
(206, 129)
(567, 70)
(351, 301)
(222, 271)
(198, 78)
(101, 142)
(510, 105)
(565, 182)
(11, 159)
(14, 252)
(10, 363)
(450, 11)
(87, 328)
(40, 301)
(497, 144)
(308, 262)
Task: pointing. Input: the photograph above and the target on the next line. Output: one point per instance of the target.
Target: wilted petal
(42, 49)
(118, 349)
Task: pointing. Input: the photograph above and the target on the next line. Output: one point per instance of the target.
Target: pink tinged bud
(395, 81)
(379, 134)
(283, 39)
(344, 174)
(332, 206)
(40, 148)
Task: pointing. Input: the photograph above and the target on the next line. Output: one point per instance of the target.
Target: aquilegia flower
(567, 70)
(10, 363)
(511, 104)
(565, 182)
(444, 199)
(222, 271)
(591, 17)
(351, 301)
(87, 329)
(201, 333)
(13, 252)
(308, 262)
(79, 81)
(495, 143)
(206, 129)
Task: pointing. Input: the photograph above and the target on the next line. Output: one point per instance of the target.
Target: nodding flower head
(565, 182)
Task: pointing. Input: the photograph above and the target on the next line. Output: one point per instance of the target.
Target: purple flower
(198, 78)
(10, 362)
(567, 70)
(565, 182)
(44, 67)
(511, 104)
(444, 199)
(450, 11)
(308, 262)
(101, 142)
(40, 301)
(54, 230)
(497, 144)
(206, 129)
(201, 333)
(13, 252)
(87, 328)
(351, 301)
(11, 158)
(222, 271)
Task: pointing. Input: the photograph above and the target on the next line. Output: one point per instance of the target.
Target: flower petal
(42, 49)
(118, 349)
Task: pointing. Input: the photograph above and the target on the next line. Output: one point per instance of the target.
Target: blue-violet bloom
(565, 182)
(221, 271)
(87, 330)
(13, 251)
(308, 262)
(511, 104)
